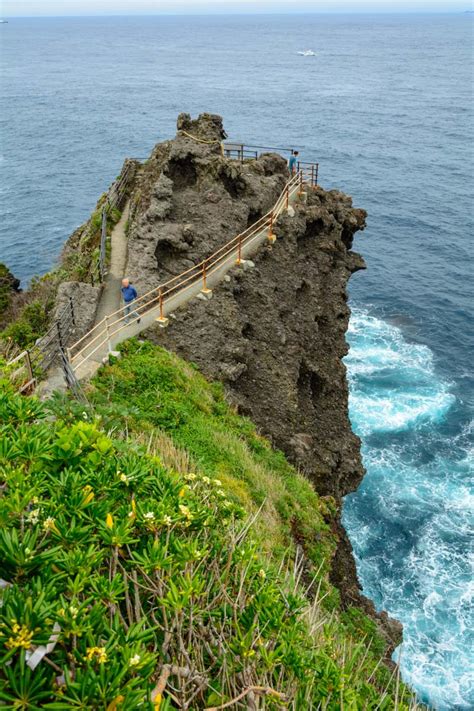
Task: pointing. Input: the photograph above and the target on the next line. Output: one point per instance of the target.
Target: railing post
(205, 291)
(60, 336)
(239, 251)
(109, 342)
(301, 183)
(271, 236)
(71, 306)
(29, 368)
(316, 176)
(312, 176)
(162, 320)
(161, 304)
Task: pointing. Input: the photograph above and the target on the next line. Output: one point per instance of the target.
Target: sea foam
(411, 520)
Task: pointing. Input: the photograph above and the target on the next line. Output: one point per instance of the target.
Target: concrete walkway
(87, 364)
(110, 300)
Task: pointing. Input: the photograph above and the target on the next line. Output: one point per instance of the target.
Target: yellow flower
(96, 654)
(157, 701)
(124, 478)
(88, 494)
(50, 525)
(113, 704)
(190, 476)
(133, 513)
(109, 521)
(217, 482)
(186, 512)
(21, 637)
(135, 660)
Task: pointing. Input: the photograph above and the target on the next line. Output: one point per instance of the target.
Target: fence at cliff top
(105, 333)
(115, 198)
(25, 368)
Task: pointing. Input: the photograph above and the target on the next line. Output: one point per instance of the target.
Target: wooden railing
(20, 373)
(29, 365)
(105, 333)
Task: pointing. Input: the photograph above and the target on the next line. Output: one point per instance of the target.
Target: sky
(28, 8)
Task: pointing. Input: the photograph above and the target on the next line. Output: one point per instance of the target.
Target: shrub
(130, 584)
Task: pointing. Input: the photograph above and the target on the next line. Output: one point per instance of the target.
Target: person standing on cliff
(292, 162)
(129, 294)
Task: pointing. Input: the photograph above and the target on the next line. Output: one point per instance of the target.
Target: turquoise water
(411, 519)
(386, 106)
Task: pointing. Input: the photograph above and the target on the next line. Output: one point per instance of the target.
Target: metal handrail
(114, 323)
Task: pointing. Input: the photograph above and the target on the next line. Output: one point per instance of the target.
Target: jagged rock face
(273, 334)
(190, 200)
(85, 299)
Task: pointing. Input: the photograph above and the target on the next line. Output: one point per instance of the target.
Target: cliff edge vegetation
(152, 557)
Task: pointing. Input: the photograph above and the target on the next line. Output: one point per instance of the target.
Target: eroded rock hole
(310, 385)
(182, 172)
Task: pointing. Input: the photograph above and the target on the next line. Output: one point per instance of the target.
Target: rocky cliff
(274, 334)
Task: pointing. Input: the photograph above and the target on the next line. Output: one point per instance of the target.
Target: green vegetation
(30, 325)
(30, 318)
(7, 283)
(152, 541)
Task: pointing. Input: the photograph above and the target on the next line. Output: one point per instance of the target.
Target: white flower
(190, 476)
(262, 574)
(33, 516)
(206, 480)
(217, 482)
(135, 660)
(149, 516)
(74, 611)
(219, 492)
(49, 523)
(124, 478)
(167, 520)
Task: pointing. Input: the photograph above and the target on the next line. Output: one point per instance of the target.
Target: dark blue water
(386, 107)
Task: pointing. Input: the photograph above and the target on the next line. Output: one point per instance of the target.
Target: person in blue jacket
(292, 164)
(129, 294)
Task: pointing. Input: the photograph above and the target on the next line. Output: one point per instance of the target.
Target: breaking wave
(410, 522)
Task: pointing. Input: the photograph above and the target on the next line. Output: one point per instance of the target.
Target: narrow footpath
(110, 300)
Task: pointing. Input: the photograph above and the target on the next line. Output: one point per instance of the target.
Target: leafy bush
(30, 326)
(131, 584)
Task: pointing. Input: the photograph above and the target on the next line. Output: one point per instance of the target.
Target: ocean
(386, 107)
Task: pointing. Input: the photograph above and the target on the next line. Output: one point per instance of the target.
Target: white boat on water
(307, 53)
(3, 22)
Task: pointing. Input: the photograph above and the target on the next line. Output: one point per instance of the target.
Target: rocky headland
(274, 333)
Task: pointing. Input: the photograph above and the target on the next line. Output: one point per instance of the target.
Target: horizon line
(244, 13)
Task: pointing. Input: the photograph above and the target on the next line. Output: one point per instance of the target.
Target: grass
(158, 392)
(178, 560)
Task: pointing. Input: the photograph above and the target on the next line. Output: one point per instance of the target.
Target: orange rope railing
(103, 332)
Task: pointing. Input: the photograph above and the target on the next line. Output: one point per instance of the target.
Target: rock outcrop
(273, 334)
